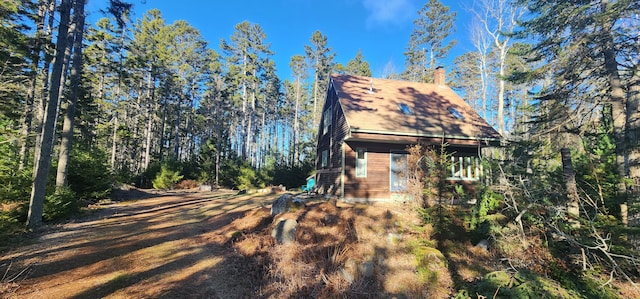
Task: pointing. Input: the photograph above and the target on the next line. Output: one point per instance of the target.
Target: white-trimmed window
(466, 167)
(361, 162)
(399, 169)
(326, 116)
(325, 158)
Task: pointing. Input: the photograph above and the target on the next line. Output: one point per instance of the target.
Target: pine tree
(319, 58)
(582, 43)
(144, 48)
(245, 53)
(72, 98)
(429, 42)
(43, 157)
(356, 66)
(297, 96)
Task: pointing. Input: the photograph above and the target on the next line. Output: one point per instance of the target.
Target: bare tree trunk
(245, 114)
(296, 125)
(633, 143)
(502, 16)
(315, 94)
(482, 48)
(633, 128)
(501, 90)
(163, 125)
(262, 141)
(36, 204)
(114, 143)
(31, 94)
(44, 93)
(251, 111)
(617, 100)
(176, 131)
(569, 177)
(76, 72)
(148, 138)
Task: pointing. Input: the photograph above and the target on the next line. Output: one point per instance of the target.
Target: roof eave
(426, 135)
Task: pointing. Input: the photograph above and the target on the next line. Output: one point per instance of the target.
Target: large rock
(483, 244)
(286, 203)
(285, 231)
(279, 205)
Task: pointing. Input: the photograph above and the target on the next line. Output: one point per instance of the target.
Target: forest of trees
(124, 100)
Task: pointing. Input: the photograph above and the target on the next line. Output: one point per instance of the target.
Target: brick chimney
(439, 76)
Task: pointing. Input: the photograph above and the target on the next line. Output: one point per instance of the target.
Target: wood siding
(376, 184)
(328, 179)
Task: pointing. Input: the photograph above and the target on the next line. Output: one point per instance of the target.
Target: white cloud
(388, 12)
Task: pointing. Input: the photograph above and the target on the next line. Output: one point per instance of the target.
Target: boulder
(285, 231)
(280, 205)
(286, 203)
(367, 269)
(484, 244)
(278, 189)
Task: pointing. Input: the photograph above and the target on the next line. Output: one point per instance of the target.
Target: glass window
(325, 158)
(399, 171)
(466, 167)
(326, 120)
(361, 162)
(456, 113)
(405, 109)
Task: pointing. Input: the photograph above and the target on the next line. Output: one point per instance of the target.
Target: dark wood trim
(391, 138)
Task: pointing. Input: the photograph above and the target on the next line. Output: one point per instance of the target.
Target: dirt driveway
(169, 245)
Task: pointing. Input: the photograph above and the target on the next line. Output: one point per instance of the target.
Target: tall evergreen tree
(43, 157)
(145, 51)
(297, 96)
(583, 44)
(245, 52)
(319, 58)
(72, 97)
(583, 49)
(429, 42)
(356, 66)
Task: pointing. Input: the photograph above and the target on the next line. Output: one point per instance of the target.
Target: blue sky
(380, 28)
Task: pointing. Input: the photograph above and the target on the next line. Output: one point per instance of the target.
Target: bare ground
(219, 245)
(211, 245)
(163, 246)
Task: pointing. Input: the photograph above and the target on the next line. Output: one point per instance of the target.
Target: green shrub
(488, 202)
(89, 176)
(206, 162)
(239, 174)
(60, 205)
(229, 171)
(167, 178)
(145, 180)
(15, 185)
(291, 176)
(246, 178)
(9, 223)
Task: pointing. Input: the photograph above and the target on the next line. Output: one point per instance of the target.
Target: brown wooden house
(367, 124)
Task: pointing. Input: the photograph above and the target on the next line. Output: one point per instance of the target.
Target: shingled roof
(395, 107)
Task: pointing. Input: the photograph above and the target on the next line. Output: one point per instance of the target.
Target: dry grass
(352, 251)
(219, 245)
(187, 184)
